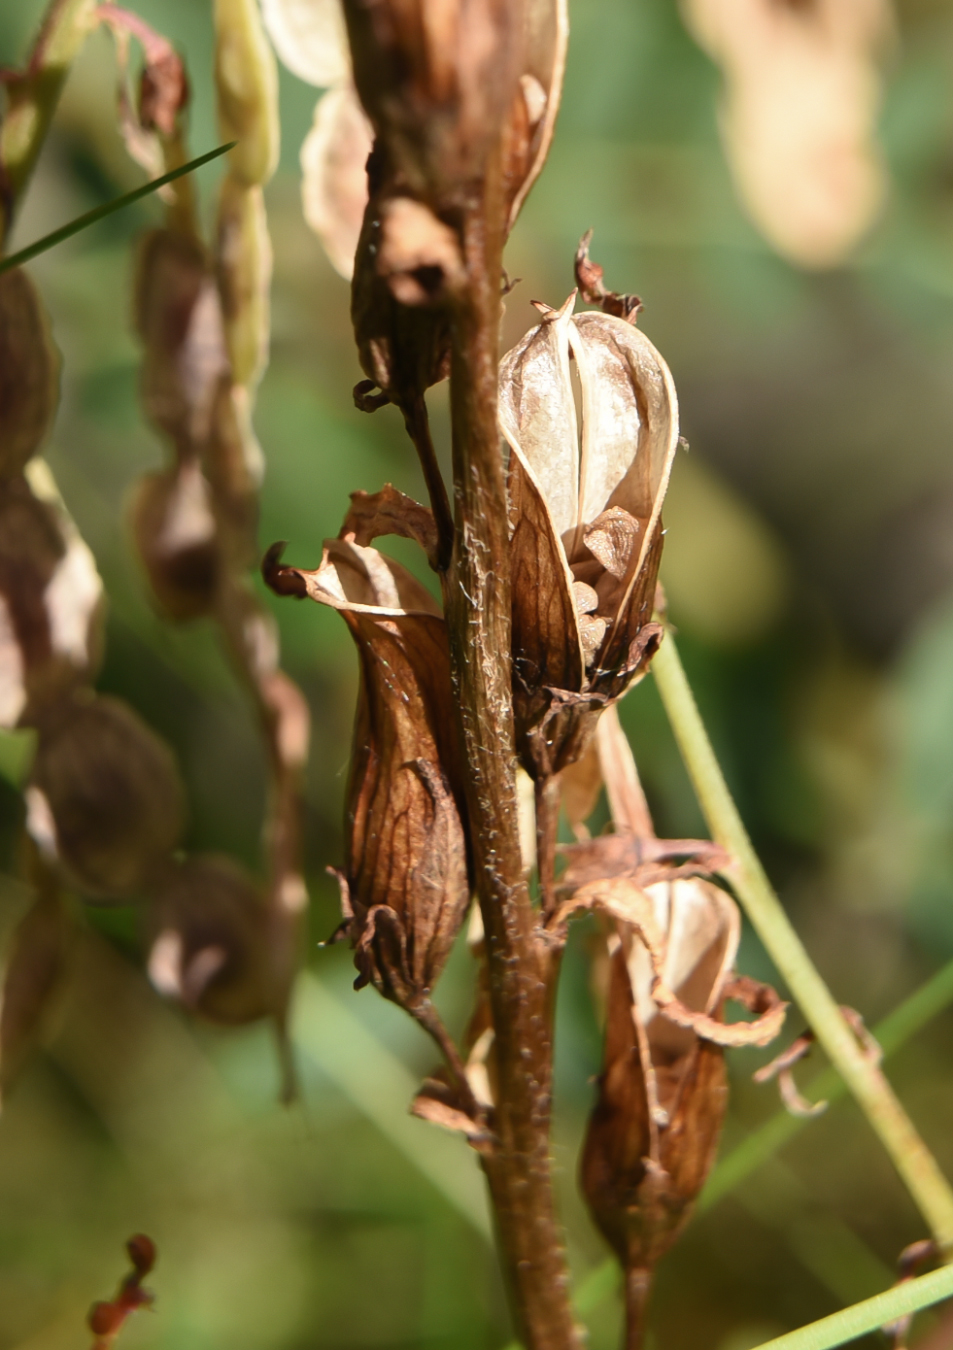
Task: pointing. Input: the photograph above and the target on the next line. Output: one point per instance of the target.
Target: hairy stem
(637, 1286)
(32, 98)
(911, 1157)
(547, 824)
(477, 599)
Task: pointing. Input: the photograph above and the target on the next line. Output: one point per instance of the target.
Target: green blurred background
(809, 564)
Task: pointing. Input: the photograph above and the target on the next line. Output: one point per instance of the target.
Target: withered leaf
(104, 801)
(29, 372)
(390, 512)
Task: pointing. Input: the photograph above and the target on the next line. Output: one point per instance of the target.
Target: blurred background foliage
(809, 567)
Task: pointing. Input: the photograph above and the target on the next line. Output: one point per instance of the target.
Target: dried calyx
(672, 939)
(404, 886)
(585, 520)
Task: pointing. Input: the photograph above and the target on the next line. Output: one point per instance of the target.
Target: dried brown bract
(585, 520)
(404, 886)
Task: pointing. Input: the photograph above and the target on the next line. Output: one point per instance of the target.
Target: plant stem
(638, 1284)
(912, 1159)
(477, 602)
(32, 98)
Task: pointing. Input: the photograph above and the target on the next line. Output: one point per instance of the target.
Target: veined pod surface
(405, 886)
(585, 519)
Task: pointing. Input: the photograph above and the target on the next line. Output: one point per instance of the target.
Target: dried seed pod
(179, 319)
(585, 520)
(662, 1094)
(799, 116)
(174, 531)
(50, 599)
(246, 84)
(104, 800)
(405, 888)
(29, 372)
(209, 942)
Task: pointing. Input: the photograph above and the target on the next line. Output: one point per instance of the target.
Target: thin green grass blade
(856, 1321)
(100, 212)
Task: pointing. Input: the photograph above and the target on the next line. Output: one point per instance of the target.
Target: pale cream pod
(798, 117)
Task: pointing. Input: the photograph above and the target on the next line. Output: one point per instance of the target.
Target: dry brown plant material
(106, 1320)
(29, 372)
(585, 520)
(798, 118)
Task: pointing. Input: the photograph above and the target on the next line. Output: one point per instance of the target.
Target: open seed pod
(585, 520)
(51, 599)
(208, 933)
(104, 800)
(404, 887)
(29, 372)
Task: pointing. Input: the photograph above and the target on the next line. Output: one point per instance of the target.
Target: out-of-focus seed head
(50, 600)
(29, 372)
(104, 800)
(209, 942)
(174, 531)
(246, 84)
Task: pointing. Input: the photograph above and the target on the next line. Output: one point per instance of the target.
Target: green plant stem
(100, 212)
(32, 97)
(855, 1321)
(912, 1159)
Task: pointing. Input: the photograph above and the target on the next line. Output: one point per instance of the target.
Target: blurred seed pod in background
(51, 599)
(174, 531)
(208, 942)
(29, 372)
(104, 800)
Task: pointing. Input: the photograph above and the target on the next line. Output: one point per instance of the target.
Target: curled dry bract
(104, 801)
(208, 942)
(585, 518)
(29, 372)
(404, 886)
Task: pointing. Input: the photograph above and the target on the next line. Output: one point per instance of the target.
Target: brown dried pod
(404, 887)
(51, 599)
(654, 1131)
(29, 372)
(179, 319)
(174, 530)
(104, 800)
(209, 942)
(585, 520)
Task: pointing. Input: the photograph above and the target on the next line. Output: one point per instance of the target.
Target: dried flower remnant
(585, 520)
(404, 887)
(106, 1320)
(802, 92)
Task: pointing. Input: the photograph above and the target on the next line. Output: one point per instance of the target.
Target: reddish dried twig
(106, 1320)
